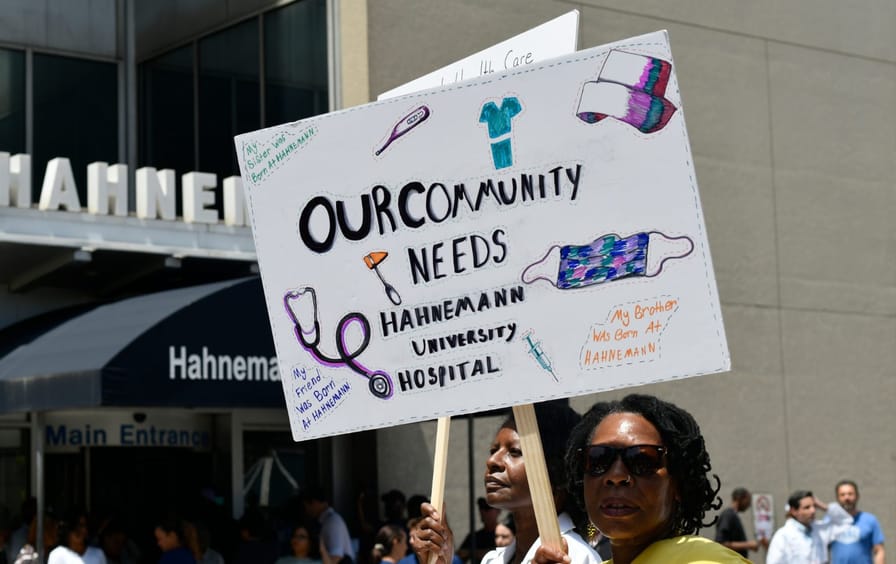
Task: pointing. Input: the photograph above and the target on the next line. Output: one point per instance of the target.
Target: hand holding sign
(432, 538)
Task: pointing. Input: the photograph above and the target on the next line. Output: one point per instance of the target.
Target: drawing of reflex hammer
(373, 260)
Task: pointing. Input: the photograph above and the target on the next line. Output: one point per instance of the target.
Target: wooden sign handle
(439, 469)
(537, 474)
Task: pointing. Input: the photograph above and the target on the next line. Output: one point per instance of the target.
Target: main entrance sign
(69, 431)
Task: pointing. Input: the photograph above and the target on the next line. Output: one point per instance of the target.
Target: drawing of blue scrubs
(498, 120)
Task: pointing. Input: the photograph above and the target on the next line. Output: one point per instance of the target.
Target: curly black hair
(686, 458)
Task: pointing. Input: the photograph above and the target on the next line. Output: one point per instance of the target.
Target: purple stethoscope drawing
(404, 125)
(379, 382)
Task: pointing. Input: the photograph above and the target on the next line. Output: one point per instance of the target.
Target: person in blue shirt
(863, 543)
(413, 526)
(172, 542)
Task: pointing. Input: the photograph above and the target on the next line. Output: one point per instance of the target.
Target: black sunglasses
(641, 460)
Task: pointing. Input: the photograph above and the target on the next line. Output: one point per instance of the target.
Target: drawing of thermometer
(407, 123)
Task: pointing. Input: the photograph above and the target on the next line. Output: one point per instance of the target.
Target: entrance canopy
(202, 346)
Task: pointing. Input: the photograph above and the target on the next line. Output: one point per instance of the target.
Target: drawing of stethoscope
(379, 382)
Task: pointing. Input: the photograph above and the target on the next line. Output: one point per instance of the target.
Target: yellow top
(687, 549)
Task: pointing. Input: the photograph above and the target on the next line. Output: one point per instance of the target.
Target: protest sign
(763, 516)
(551, 39)
(523, 236)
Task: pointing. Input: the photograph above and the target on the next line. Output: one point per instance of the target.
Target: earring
(676, 519)
(591, 530)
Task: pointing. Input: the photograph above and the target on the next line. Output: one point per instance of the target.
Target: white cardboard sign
(523, 236)
(551, 39)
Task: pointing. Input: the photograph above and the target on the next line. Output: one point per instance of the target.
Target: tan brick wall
(790, 114)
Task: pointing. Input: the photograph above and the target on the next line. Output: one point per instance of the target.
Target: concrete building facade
(788, 115)
(789, 111)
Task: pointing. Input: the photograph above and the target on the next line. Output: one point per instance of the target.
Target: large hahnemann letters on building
(107, 191)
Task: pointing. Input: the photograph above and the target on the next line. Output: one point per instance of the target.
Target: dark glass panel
(12, 101)
(229, 97)
(166, 112)
(75, 116)
(295, 42)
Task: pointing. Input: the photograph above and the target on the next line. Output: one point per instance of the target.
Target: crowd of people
(844, 536)
(65, 539)
(643, 487)
(257, 538)
(631, 481)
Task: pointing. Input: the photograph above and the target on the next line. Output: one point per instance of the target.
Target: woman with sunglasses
(507, 488)
(641, 471)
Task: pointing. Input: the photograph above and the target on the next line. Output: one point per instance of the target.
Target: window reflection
(12, 101)
(73, 121)
(166, 112)
(14, 467)
(295, 62)
(227, 91)
(229, 97)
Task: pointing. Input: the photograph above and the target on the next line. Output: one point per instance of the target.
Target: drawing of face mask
(608, 258)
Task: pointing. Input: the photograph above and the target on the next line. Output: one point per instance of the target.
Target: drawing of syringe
(539, 355)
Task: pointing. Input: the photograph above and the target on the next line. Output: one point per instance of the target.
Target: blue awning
(202, 346)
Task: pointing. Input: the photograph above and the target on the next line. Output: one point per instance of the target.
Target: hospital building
(137, 365)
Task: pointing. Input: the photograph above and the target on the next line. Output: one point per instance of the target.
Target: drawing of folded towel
(646, 74)
(630, 88)
(641, 110)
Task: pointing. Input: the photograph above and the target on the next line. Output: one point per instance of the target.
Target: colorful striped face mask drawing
(606, 258)
(609, 257)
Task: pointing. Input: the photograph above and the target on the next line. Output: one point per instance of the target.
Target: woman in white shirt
(507, 488)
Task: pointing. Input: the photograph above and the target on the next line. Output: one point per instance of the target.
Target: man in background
(4, 534)
(863, 543)
(802, 540)
(19, 536)
(479, 543)
(730, 530)
(333, 530)
(394, 505)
